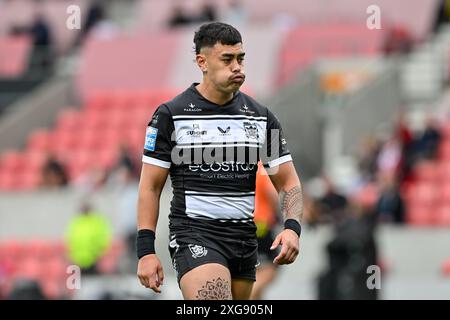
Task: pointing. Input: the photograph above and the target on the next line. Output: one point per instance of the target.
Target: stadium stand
(314, 62)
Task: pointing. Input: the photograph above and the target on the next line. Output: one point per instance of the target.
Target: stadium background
(365, 111)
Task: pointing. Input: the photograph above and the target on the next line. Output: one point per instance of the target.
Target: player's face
(223, 65)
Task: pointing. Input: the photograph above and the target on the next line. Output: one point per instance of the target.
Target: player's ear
(201, 62)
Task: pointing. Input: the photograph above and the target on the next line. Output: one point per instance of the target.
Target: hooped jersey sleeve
(158, 139)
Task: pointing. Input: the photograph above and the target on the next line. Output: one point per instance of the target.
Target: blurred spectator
(42, 56)
(88, 237)
(442, 14)
(428, 142)
(95, 14)
(367, 158)
(331, 205)
(91, 180)
(207, 13)
(390, 206)
(54, 174)
(179, 17)
(25, 289)
(350, 253)
(124, 180)
(390, 156)
(235, 14)
(405, 137)
(265, 217)
(398, 40)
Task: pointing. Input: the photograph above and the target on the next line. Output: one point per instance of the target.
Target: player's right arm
(151, 184)
(155, 169)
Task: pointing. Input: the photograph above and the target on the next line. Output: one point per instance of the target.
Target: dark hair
(211, 33)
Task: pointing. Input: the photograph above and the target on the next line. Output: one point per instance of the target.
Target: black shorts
(264, 253)
(189, 251)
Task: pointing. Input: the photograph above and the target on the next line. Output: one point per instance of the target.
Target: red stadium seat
(427, 171)
(444, 151)
(12, 161)
(422, 194)
(69, 120)
(39, 140)
(420, 215)
(443, 216)
(446, 267)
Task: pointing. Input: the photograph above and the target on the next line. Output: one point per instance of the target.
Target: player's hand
(289, 241)
(150, 272)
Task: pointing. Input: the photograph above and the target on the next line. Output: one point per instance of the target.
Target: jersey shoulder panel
(252, 105)
(178, 104)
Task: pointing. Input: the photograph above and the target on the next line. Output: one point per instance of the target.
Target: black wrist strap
(145, 243)
(293, 225)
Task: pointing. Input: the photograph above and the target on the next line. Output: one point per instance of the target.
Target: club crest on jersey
(251, 130)
(150, 138)
(192, 108)
(197, 251)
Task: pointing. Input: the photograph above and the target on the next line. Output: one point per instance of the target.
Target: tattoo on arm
(292, 204)
(218, 289)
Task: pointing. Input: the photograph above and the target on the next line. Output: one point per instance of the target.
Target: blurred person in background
(88, 237)
(54, 174)
(390, 206)
(367, 158)
(42, 53)
(442, 15)
(428, 141)
(207, 12)
(390, 157)
(125, 183)
(95, 14)
(213, 242)
(266, 218)
(332, 204)
(179, 17)
(351, 251)
(26, 289)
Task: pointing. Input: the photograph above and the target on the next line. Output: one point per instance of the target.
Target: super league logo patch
(150, 139)
(197, 251)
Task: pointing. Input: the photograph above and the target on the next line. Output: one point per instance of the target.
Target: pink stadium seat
(55, 268)
(69, 120)
(420, 215)
(28, 180)
(446, 267)
(12, 161)
(444, 151)
(30, 267)
(427, 171)
(443, 215)
(422, 194)
(39, 140)
(13, 56)
(444, 197)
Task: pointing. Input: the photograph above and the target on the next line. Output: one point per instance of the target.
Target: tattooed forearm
(218, 289)
(292, 204)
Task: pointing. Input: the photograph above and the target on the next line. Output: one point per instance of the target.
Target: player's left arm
(288, 185)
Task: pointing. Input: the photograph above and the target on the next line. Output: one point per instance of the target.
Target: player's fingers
(290, 256)
(143, 280)
(282, 256)
(154, 286)
(276, 242)
(160, 274)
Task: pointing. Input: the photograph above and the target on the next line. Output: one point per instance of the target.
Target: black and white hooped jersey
(212, 153)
